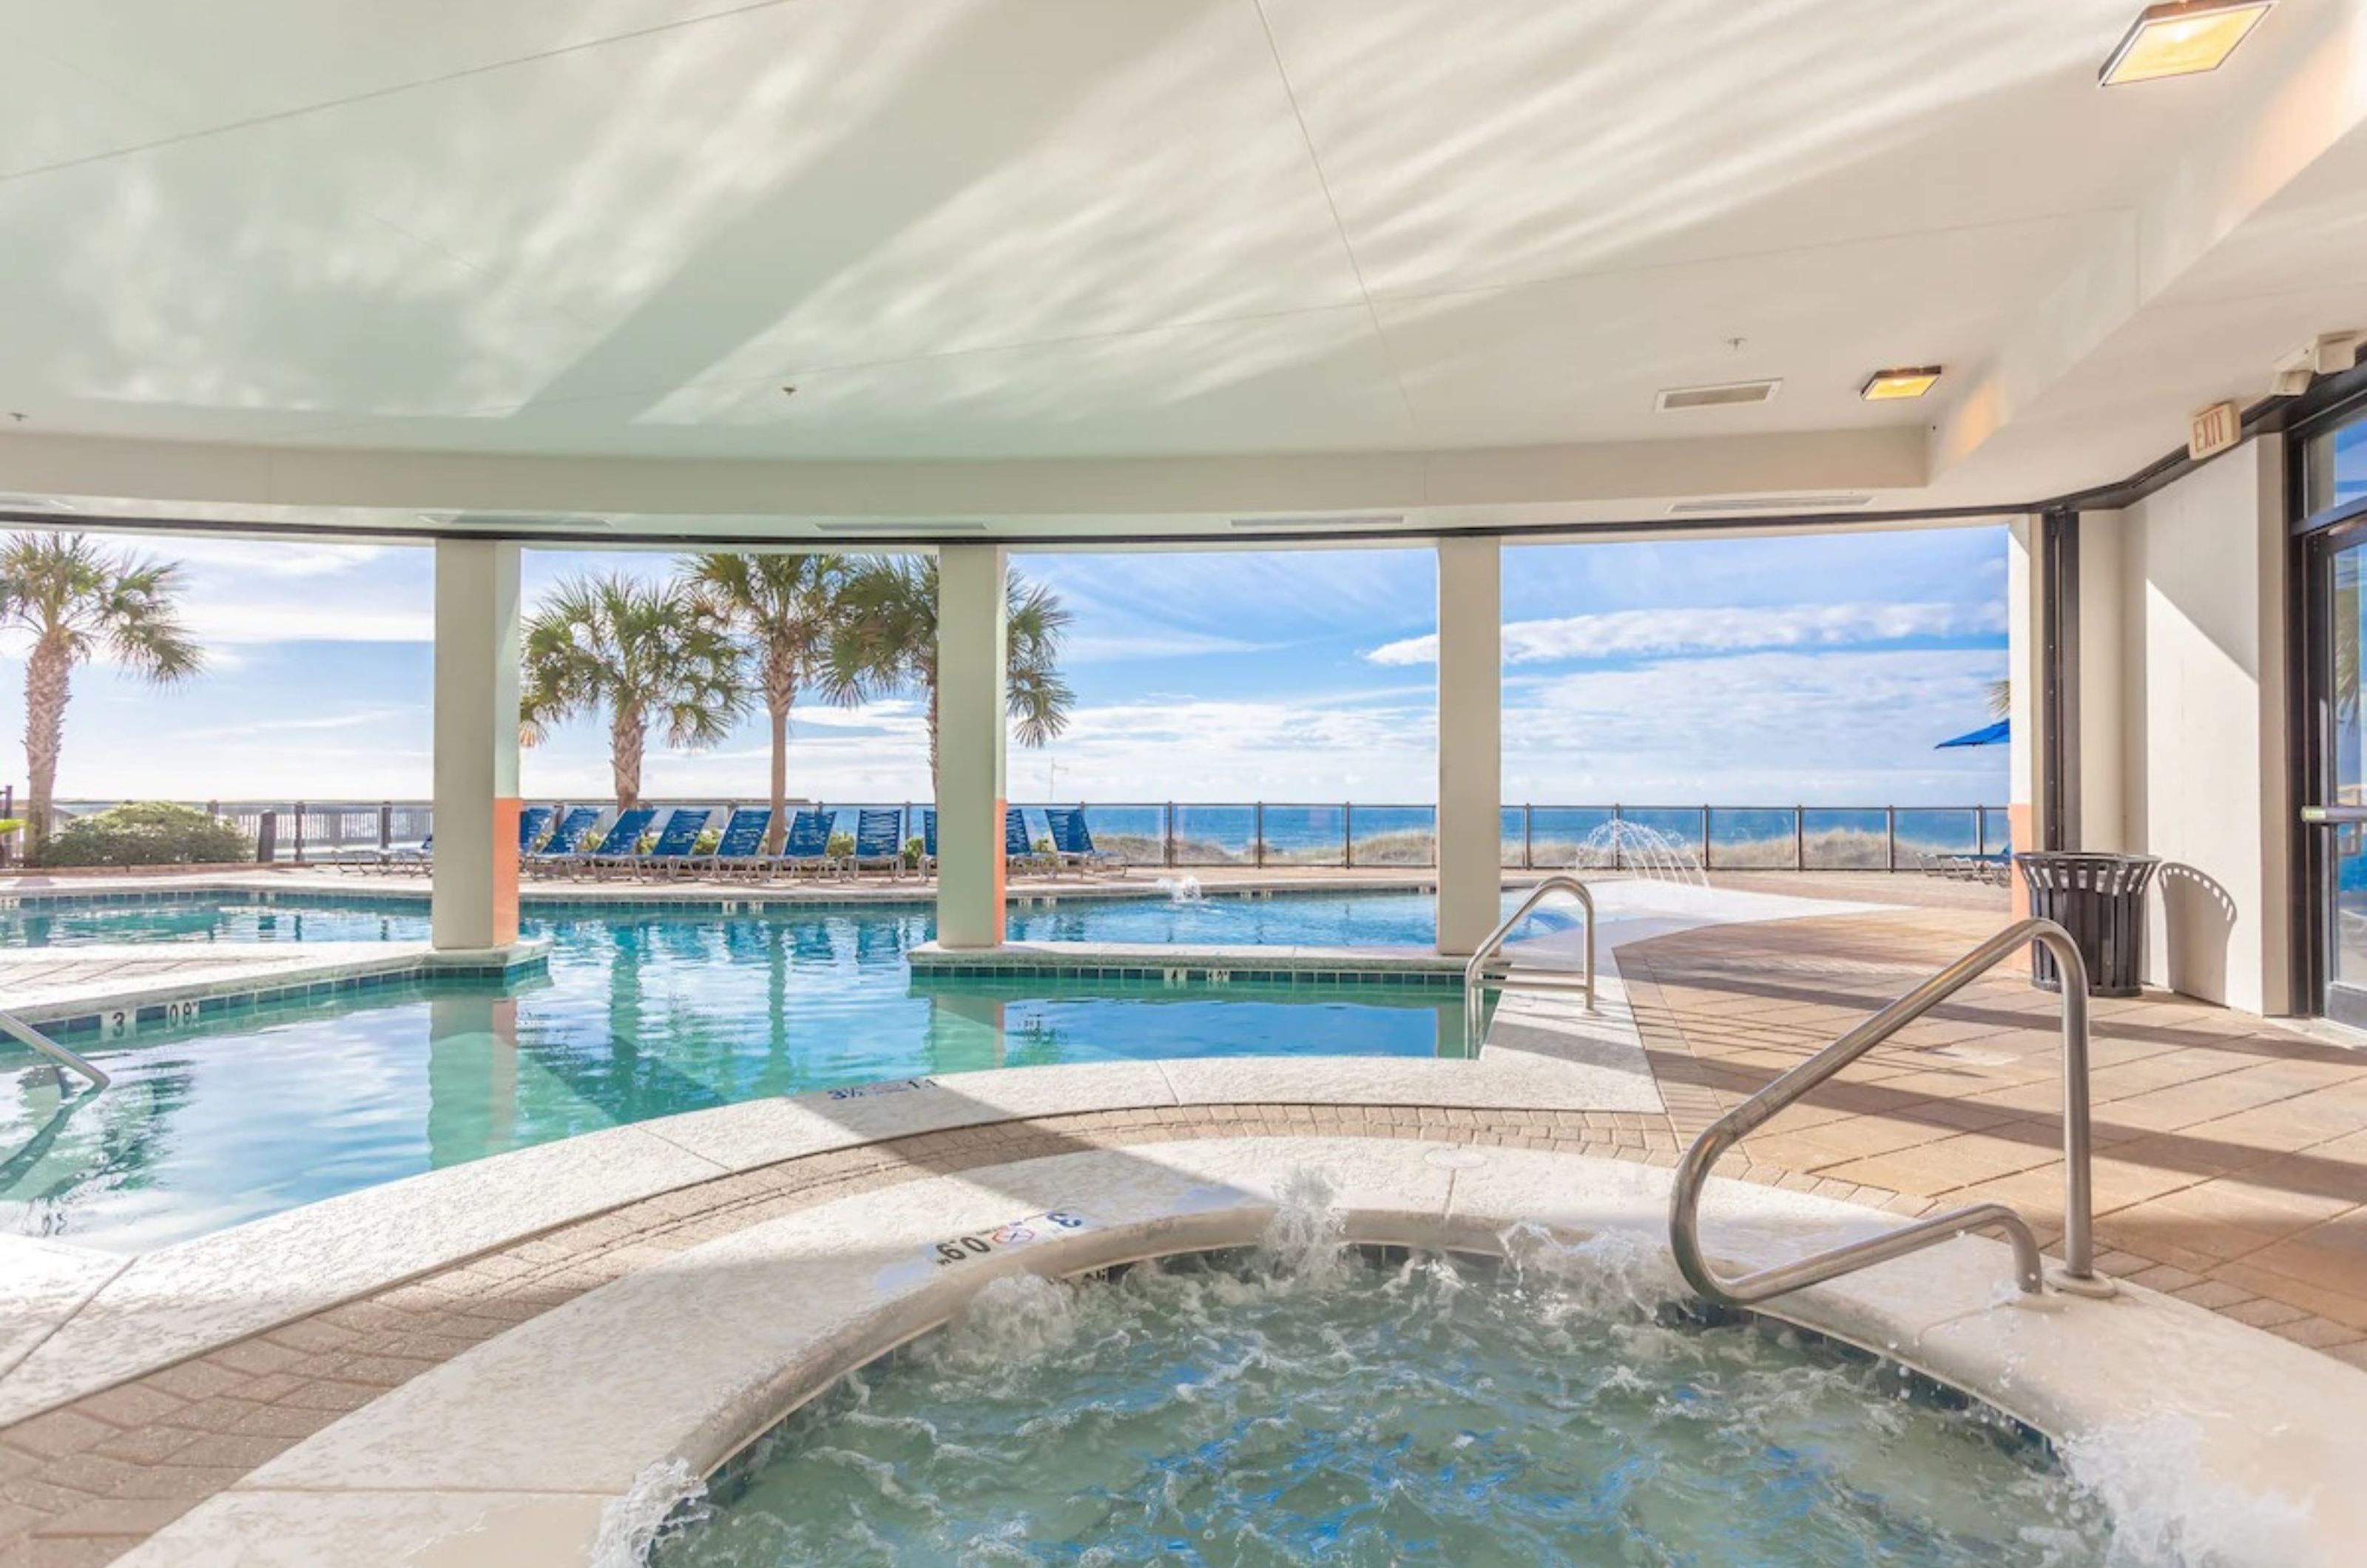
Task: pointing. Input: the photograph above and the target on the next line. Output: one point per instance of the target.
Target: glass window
(2335, 467)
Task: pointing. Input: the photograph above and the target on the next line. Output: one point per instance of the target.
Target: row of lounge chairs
(551, 845)
(1996, 867)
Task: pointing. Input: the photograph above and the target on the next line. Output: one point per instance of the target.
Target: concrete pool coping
(545, 1443)
(75, 1320)
(228, 975)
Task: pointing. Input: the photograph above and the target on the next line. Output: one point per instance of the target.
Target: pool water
(1301, 920)
(1379, 1410)
(247, 1114)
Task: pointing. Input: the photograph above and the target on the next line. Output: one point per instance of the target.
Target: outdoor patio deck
(2231, 1171)
(2231, 1153)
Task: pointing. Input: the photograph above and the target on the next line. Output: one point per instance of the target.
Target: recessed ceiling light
(1910, 382)
(2181, 38)
(788, 392)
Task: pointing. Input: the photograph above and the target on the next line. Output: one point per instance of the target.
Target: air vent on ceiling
(1365, 520)
(1729, 394)
(1802, 503)
(506, 522)
(899, 528)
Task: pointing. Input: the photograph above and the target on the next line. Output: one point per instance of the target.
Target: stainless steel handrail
(1475, 972)
(2077, 1274)
(24, 1033)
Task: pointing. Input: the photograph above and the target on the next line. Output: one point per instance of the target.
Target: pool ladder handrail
(2078, 1274)
(1475, 975)
(24, 1033)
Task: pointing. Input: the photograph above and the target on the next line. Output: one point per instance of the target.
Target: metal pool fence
(1187, 834)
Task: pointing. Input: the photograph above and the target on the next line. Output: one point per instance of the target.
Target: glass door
(2334, 777)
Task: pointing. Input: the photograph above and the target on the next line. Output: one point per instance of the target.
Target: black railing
(1281, 834)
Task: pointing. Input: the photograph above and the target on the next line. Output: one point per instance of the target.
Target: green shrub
(914, 848)
(152, 832)
(842, 844)
(709, 842)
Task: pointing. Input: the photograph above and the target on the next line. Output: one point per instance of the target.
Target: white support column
(2103, 793)
(971, 640)
(1471, 742)
(2025, 637)
(476, 744)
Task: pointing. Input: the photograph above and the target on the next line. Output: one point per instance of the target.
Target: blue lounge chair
(1072, 842)
(879, 840)
(534, 826)
(928, 841)
(677, 842)
(740, 844)
(1018, 849)
(621, 842)
(565, 841)
(808, 845)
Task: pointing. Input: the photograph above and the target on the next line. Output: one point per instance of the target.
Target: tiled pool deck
(2231, 1171)
(2231, 1154)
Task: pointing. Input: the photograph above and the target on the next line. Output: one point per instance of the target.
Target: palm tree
(78, 599)
(645, 651)
(2000, 698)
(786, 610)
(890, 644)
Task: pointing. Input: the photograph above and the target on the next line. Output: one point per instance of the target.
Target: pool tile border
(88, 1018)
(1192, 964)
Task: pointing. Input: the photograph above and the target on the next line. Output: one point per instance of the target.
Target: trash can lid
(2117, 857)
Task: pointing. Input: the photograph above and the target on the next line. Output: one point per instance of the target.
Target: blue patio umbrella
(1994, 735)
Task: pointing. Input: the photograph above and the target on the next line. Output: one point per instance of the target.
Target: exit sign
(2212, 431)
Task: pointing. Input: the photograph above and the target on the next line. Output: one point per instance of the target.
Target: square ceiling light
(2181, 38)
(1911, 381)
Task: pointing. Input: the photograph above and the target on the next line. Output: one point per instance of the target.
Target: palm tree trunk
(933, 740)
(775, 834)
(48, 673)
(628, 733)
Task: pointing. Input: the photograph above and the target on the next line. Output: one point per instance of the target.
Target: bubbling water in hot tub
(1310, 1400)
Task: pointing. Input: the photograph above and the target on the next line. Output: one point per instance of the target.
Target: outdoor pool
(1289, 920)
(250, 1112)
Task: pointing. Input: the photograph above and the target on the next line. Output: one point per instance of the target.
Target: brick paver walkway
(2231, 1154)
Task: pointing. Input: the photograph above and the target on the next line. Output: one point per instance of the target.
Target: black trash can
(2099, 900)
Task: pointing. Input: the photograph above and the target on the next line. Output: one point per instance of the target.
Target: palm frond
(608, 641)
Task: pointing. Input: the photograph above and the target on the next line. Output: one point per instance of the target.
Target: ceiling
(1070, 265)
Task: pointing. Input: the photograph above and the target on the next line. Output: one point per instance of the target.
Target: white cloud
(415, 715)
(1714, 629)
(1772, 727)
(1106, 647)
(222, 623)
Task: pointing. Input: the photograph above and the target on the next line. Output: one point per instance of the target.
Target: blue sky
(1735, 672)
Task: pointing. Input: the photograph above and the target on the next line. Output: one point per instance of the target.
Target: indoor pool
(249, 1113)
(1381, 1409)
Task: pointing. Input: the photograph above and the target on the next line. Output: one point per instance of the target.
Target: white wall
(2201, 722)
